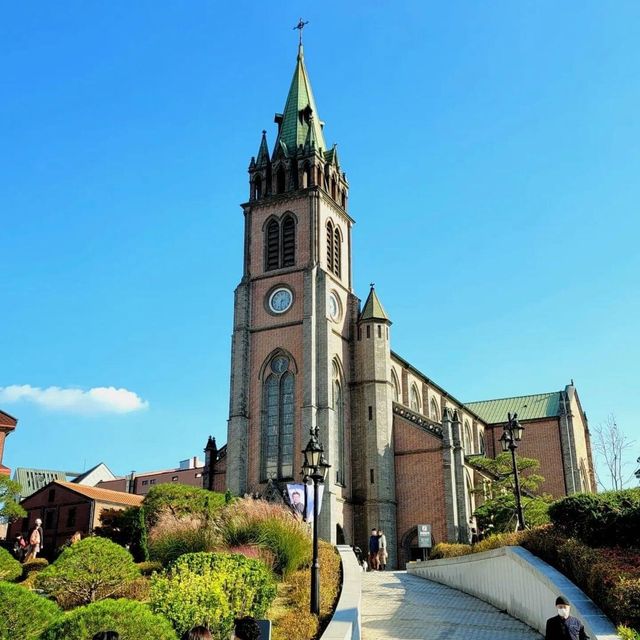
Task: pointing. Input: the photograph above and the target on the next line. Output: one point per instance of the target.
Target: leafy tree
(10, 509)
(90, 570)
(180, 501)
(126, 527)
(23, 614)
(500, 469)
(498, 513)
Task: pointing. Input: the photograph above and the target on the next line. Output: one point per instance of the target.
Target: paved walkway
(396, 605)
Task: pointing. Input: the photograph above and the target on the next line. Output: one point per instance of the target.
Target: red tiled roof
(6, 420)
(103, 495)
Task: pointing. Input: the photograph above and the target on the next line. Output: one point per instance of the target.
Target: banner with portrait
(309, 501)
(297, 495)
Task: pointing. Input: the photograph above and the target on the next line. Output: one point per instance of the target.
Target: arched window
(319, 180)
(306, 176)
(395, 386)
(257, 187)
(272, 249)
(435, 413)
(330, 245)
(344, 199)
(338, 413)
(333, 188)
(468, 448)
(288, 242)
(337, 252)
(278, 421)
(481, 447)
(280, 180)
(414, 398)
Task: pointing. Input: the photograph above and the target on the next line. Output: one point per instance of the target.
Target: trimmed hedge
(600, 520)
(10, 568)
(212, 589)
(132, 620)
(23, 614)
(90, 570)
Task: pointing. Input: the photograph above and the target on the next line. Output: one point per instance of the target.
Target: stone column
(448, 469)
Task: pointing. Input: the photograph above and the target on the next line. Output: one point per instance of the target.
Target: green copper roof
(300, 113)
(373, 310)
(542, 405)
(263, 151)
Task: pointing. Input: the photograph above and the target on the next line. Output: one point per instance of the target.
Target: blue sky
(493, 153)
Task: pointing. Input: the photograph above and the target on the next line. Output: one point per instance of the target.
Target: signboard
(424, 536)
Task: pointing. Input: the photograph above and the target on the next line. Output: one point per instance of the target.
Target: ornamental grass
(274, 527)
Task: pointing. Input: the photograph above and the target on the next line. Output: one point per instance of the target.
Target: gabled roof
(103, 495)
(84, 478)
(373, 309)
(300, 113)
(541, 405)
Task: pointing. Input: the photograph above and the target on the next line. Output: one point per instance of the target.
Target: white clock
(334, 306)
(280, 300)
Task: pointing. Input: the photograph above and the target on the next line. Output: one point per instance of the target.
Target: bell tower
(294, 313)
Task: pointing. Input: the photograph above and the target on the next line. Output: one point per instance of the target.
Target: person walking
(564, 626)
(35, 541)
(374, 547)
(20, 548)
(382, 550)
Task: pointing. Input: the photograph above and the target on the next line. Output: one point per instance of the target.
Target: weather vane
(300, 26)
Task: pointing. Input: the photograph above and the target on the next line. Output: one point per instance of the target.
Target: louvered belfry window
(288, 242)
(336, 252)
(330, 246)
(273, 245)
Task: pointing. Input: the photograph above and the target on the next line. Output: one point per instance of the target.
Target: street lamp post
(314, 468)
(513, 434)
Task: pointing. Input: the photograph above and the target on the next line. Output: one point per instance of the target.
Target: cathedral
(307, 353)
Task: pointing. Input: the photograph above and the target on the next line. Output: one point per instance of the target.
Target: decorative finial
(264, 132)
(300, 26)
(372, 285)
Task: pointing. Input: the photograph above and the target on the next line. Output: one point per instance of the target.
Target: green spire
(263, 151)
(299, 123)
(373, 309)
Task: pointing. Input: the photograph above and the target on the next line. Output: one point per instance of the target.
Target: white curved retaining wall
(516, 581)
(346, 621)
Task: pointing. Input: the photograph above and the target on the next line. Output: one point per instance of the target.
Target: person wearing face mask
(564, 626)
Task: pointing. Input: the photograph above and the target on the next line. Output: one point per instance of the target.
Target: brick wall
(541, 440)
(419, 482)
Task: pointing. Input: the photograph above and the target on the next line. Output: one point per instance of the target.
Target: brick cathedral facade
(307, 353)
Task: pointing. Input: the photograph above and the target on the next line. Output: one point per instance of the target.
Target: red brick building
(64, 508)
(307, 353)
(7, 425)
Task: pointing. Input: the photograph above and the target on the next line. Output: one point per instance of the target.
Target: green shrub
(10, 568)
(23, 614)
(628, 634)
(450, 550)
(149, 567)
(212, 589)
(90, 570)
(601, 519)
(33, 566)
(498, 540)
(132, 620)
(249, 521)
(180, 501)
(499, 513)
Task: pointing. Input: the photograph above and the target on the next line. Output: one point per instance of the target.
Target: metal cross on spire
(300, 26)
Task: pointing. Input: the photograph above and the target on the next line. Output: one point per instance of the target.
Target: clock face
(280, 300)
(334, 306)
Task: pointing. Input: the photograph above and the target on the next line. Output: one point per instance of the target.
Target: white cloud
(96, 400)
